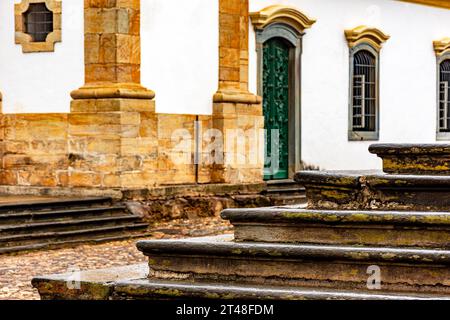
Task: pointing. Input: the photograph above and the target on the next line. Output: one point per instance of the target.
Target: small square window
(38, 21)
(38, 24)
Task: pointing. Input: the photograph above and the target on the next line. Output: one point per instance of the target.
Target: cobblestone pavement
(16, 271)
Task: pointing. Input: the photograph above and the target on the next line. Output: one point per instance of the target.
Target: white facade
(180, 53)
(407, 76)
(179, 41)
(41, 82)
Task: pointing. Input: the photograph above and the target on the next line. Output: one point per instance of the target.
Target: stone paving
(16, 271)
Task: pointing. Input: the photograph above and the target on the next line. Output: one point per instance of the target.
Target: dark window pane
(364, 91)
(38, 21)
(444, 95)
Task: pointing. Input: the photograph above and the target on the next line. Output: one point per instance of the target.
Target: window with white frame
(444, 97)
(363, 94)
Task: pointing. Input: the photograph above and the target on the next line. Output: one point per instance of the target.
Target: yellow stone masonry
(113, 138)
(235, 108)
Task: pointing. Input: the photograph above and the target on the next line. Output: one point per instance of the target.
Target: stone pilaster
(237, 113)
(112, 124)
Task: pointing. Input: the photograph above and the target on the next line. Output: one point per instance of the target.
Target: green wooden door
(276, 107)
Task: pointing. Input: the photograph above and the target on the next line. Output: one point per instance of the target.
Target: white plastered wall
(180, 43)
(408, 76)
(41, 82)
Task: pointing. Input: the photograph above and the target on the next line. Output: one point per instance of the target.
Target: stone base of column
(113, 91)
(241, 125)
(112, 143)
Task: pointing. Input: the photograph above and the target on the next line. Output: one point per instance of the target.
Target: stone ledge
(293, 216)
(113, 91)
(155, 290)
(236, 97)
(94, 284)
(194, 190)
(341, 227)
(349, 179)
(417, 159)
(272, 251)
(61, 192)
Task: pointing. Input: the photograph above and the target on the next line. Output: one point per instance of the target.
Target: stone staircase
(357, 225)
(39, 224)
(285, 192)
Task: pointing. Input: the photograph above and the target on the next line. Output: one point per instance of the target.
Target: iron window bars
(38, 21)
(364, 93)
(444, 95)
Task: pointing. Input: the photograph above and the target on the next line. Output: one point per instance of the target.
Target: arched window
(364, 89)
(444, 96)
(365, 45)
(363, 93)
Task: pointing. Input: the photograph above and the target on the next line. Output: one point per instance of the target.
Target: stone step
(55, 226)
(287, 200)
(132, 282)
(149, 289)
(346, 227)
(43, 223)
(53, 215)
(416, 159)
(316, 266)
(374, 190)
(283, 186)
(285, 192)
(53, 204)
(37, 241)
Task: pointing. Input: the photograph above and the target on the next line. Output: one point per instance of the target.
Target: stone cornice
(365, 34)
(113, 91)
(236, 97)
(442, 46)
(281, 14)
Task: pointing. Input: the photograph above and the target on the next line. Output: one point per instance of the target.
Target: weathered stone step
(29, 216)
(54, 226)
(278, 200)
(53, 204)
(66, 239)
(284, 186)
(417, 159)
(318, 266)
(345, 227)
(372, 190)
(26, 238)
(131, 282)
(148, 289)
(285, 192)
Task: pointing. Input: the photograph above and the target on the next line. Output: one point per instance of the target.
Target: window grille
(444, 95)
(364, 91)
(38, 21)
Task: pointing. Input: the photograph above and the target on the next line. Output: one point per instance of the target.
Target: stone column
(112, 124)
(235, 108)
(112, 45)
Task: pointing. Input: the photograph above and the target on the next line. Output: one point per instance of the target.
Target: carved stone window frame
(442, 50)
(288, 23)
(24, 39)
(369, 39)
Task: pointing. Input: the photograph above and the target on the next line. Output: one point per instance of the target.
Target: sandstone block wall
(34, 150)
(103, 143)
